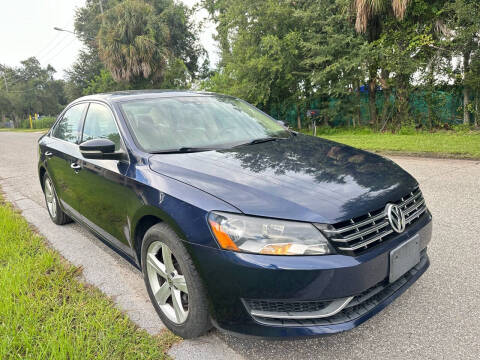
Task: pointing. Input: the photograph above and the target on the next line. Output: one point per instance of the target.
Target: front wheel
(173, 284)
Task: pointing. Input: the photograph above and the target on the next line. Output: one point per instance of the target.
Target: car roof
(119, 96)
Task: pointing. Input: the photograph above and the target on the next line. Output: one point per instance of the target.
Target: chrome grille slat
(416, 192)
(416, 214)
(363, 232)
(369, 241)
(360, 234)
(414, 207)
(357, 225)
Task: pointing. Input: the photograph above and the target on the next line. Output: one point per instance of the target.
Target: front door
(103, 199)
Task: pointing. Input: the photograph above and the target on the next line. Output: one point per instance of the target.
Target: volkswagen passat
(233, 219)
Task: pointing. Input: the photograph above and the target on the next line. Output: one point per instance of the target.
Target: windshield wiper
(184, 149)
(262, 140)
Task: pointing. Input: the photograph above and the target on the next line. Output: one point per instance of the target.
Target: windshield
(164, 124)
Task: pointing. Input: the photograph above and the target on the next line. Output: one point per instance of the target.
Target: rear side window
(100, 124)
(68, 128)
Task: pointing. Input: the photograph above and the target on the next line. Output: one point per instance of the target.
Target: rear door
(62, 154)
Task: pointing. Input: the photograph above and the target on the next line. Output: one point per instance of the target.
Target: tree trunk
(16, 121)
(325, 120)
(299, 119)
(372, 100)
(430, 95)
(429, 116)
(475, 118)
(386, 106)
(466, 103)
(385, 74)
(402, 101)
(358, 104)
(402, 107)
(466, 90)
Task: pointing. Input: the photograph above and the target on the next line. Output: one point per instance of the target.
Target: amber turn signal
(222, 237)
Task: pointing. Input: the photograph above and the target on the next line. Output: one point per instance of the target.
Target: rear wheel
(173, 283)
(56, 213)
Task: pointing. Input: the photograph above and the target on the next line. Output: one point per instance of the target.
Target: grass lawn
(458, 144)
(47, 313)
(22, 130)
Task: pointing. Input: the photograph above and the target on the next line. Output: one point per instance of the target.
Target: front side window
(164, 124)
(100, 124)
(68, 128)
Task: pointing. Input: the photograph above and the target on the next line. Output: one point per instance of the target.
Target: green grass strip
(47, 313)
(454, 144)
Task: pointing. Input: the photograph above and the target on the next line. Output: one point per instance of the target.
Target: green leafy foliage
(142, 43)
(31, 89)
(261, 47)
(288, 56)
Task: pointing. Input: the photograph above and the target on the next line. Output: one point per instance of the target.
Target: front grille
(358, 234)
(357, 307)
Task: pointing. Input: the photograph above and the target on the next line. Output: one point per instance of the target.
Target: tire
(192, 319)
(51, 200)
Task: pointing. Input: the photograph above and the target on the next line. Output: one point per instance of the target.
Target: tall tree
(261, 54)
(334, 55)
(135, 44)
(464, 21)
(370, 15)
(131, 42)
(368, 12)
(140, 42)
(406, 48)
(86, 67)
(32, 89)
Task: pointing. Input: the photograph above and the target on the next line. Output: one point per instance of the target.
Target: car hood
(300, 178)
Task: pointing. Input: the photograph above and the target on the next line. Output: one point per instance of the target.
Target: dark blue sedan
(234, 220)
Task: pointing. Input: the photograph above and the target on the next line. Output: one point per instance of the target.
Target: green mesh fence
(425, 108)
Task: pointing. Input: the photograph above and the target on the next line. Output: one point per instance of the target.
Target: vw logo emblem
(396, 217)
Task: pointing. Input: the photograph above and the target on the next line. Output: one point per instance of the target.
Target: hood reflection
(301, 178)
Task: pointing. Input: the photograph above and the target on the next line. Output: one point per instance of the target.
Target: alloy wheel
(50, 198)
(167, 282)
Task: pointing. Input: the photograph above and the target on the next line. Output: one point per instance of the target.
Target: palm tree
(368, 10)
(368, 20)
(128, 42)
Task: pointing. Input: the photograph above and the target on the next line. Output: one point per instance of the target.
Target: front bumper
(231, 277)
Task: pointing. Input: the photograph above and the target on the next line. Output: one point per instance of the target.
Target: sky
(26, 29)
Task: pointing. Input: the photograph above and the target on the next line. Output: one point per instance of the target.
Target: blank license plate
(404, 257)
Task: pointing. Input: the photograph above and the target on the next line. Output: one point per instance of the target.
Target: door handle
(75, 166)
(48, 154)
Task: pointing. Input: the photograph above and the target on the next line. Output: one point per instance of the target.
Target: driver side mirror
(100, 149)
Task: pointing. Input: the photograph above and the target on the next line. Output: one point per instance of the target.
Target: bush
(45, 122)
(407, 130)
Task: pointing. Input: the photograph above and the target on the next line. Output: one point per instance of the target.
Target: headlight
(267, 236)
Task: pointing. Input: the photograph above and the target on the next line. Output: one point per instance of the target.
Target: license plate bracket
(404, 257)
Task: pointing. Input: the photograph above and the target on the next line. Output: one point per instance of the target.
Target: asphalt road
(437, 318)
